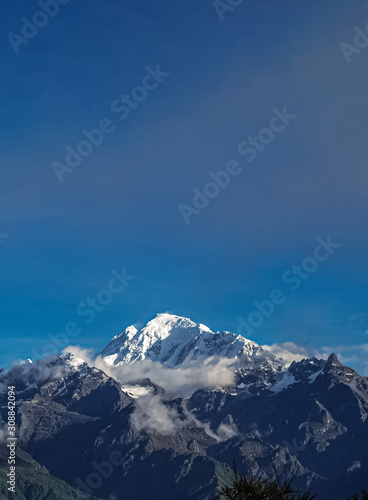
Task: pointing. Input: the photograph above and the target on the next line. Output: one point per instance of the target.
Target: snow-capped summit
(171, 339)
(308, 420)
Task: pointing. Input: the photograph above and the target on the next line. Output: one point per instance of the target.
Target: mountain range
(164, 410)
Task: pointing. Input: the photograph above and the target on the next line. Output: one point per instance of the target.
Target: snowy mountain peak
(164, 325)
(70, 360)
(171, 340)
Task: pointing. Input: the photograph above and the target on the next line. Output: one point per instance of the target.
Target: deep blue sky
(120, 206)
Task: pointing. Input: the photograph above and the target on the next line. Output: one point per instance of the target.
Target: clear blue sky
(119, 207)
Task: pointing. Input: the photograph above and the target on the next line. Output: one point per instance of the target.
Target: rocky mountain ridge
(102, 424)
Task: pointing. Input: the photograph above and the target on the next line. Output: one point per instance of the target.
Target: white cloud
(182, 381)
(354, 355)
(289, 352)
(33, 373)
(349, 355)
(356, 465)
(80, 355)
(152, 411)
(151, 414)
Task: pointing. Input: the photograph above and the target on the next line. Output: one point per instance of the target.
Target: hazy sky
(220, 82)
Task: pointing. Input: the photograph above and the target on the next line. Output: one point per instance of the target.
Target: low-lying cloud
(181, 381)
(153, 412)
(289, 352)
(31, 373)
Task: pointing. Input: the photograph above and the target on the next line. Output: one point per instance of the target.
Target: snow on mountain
(307, 420)
(171, 340)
